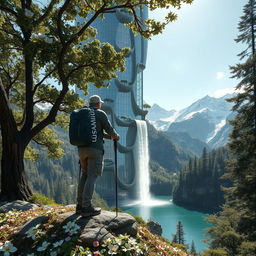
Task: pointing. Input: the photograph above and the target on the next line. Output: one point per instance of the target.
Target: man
(91, 158)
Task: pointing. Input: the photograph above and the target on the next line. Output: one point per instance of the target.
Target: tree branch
(11, 80)
(39, 83)
(10, 11)
(85, 65)
(59, 16)
(47, 12)
(39, 143)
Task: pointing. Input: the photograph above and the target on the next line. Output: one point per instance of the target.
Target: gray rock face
(94, 228)
(32, 223)
(154, 227)
(16, 205)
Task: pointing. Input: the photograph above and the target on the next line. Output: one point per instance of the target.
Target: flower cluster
(55, 238)
(34, 232)
(71, 228)
(158, 246)
(121, 245)
(124, 243)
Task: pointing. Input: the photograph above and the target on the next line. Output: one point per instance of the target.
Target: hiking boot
(90, 211)
(78, 209)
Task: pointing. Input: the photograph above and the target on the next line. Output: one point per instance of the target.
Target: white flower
(139, 251)
(58, 243)
(113, 249)
(132, 241)
(32, 232)
(53, 253)
(7, 248)
(28, 13)
(71, 228)
(43, 246)
(127, 247)
(30, 254)
(118, 241)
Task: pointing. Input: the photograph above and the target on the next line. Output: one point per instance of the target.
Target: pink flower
(96, 244)
(96, 253)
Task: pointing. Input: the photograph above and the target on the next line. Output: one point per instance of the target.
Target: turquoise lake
(168, 214)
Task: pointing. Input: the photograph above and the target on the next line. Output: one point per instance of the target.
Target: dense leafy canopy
(42, 44)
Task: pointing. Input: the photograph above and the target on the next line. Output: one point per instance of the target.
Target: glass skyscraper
(123, 101)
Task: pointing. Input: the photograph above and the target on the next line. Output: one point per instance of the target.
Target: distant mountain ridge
(205, 120)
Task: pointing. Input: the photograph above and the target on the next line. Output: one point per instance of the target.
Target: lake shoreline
(167, 214)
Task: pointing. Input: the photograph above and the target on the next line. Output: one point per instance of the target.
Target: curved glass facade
(123, 100)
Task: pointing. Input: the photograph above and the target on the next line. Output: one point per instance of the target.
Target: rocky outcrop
(94, 228)
(16, 205)
(154, 227)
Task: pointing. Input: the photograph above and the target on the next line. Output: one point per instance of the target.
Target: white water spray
(141, 157)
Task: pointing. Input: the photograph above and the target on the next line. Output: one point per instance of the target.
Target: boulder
(93, 228)
(16, 205)
(154, 227)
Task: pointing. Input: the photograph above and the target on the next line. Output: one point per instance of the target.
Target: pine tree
(242, 142)
(193, 249)
(180, 233)
(175, 240)
(234, 231)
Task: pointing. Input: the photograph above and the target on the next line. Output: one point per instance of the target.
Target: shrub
(41, 200)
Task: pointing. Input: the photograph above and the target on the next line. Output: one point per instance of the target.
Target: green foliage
(179, 236)
(247, 248)
(223, 232)
(216, 252)
(146, 106)
(139, 220)
(234, 231)
(164, 151)
(41, 200)
(200, 184)
(193, 249)
(242, 142)
(161, 181)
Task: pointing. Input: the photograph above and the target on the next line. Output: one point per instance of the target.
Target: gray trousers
(91, 161)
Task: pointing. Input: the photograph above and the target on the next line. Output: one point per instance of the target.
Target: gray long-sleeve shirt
(104, 129)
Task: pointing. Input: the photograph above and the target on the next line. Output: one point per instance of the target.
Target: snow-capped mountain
(206, 119)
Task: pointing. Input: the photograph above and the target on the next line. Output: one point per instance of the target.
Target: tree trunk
(14, 184)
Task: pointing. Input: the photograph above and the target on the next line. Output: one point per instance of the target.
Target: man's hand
(116, 138)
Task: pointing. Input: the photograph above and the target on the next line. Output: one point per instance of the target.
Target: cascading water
(141, 157)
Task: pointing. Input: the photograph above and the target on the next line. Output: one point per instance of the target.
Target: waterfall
(141, 157)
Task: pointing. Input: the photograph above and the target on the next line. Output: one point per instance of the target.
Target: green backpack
(82, 127)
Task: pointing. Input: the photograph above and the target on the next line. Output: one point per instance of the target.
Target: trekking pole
(115, 148)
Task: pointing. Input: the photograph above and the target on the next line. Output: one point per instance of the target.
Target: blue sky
(191, 58)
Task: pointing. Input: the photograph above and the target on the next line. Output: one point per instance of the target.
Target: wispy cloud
(221, 92)
(220, 75)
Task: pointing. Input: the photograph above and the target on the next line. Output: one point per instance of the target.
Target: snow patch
(217, 129)
(191, 114)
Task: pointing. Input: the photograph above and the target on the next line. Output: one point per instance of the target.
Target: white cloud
(220, 75)
(221, 92)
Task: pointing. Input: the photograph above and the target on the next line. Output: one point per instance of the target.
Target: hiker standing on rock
(94, 127)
